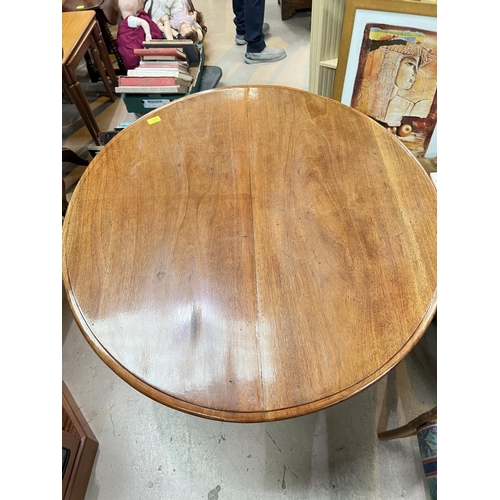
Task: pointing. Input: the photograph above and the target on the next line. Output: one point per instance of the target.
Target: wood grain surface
(252, 253)
(74, 25)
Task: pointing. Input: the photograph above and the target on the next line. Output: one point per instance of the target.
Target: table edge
(244, 416)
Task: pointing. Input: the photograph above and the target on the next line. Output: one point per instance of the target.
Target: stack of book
(191, 49)
(143, 100)
(162, 70)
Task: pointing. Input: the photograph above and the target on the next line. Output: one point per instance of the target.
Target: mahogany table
(80, 32)
(252, 253)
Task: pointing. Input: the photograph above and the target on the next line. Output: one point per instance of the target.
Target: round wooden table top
(252, 253)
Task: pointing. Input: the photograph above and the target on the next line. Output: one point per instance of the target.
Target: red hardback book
(163, 51)
(148, 81)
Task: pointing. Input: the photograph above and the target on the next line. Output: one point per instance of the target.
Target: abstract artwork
(389, 71)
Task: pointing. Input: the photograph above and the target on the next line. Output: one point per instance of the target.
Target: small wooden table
(80, 32)
(106, 12)
(252, 253)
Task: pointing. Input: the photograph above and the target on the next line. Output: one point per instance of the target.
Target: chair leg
(411, 428)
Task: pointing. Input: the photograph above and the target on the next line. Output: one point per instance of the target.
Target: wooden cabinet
(288, 7)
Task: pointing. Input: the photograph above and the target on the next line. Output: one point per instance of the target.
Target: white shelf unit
(327, 17)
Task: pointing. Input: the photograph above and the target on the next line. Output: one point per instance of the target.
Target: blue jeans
(249, 17)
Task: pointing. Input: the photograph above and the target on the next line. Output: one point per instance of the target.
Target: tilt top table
(252, 253)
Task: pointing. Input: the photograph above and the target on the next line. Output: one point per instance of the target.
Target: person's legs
(254, 19)
(239, 13)
(250, 30)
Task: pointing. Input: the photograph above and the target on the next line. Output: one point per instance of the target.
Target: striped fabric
(427, 443)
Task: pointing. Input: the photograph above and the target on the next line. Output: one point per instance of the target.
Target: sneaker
(268, 55)
(240, 39)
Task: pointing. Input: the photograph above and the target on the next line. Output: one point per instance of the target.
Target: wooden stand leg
(67, 94)
(78, 97)
(411, 428)
(102, 71)
(103, 53)
(109, 41)
(93, 74)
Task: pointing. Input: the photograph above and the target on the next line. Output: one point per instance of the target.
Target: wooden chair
(425, 428)
(80, 32)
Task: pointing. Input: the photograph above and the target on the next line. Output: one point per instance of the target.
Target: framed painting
(387, 68)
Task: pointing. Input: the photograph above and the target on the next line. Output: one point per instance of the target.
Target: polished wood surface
(73, 25)
(252, 253)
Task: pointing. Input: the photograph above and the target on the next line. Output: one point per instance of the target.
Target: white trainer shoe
(268, 55)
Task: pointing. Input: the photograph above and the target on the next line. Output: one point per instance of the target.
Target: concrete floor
(149, 451)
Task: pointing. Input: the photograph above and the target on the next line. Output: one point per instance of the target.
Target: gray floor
(148, 451)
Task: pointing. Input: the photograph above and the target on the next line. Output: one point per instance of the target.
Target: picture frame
(387, 68)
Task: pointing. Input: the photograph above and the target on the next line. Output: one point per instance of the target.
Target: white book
(160, 72)
(175, 89)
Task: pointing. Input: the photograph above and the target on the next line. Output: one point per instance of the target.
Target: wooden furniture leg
(66, 93)
(93, 74)
(78, 97)
(103, 53)
(102, 71)
(109, 40)
(412, 427)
